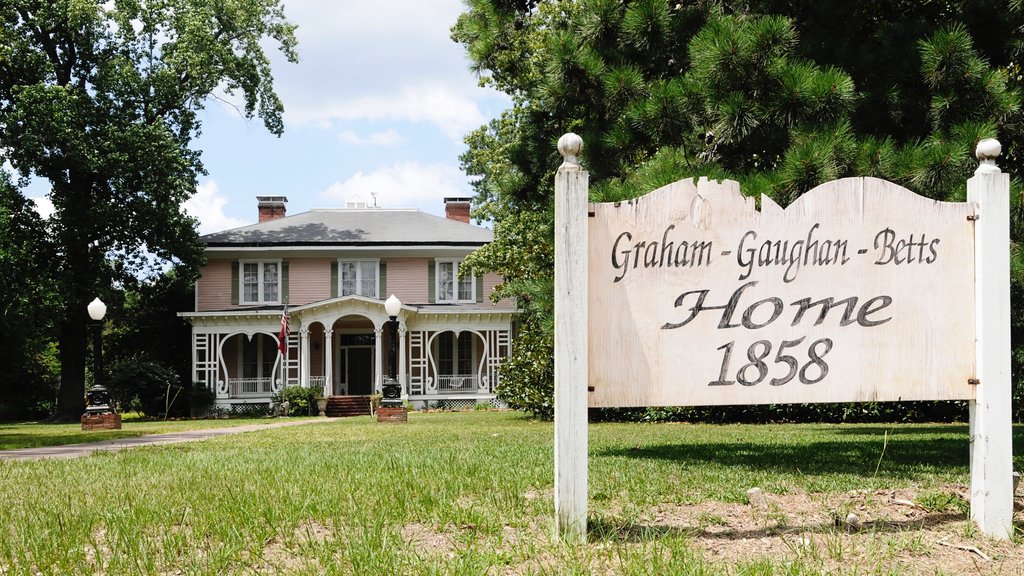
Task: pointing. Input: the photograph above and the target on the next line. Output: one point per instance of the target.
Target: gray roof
(354, 227)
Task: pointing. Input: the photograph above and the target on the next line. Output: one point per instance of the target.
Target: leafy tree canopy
(101, 100)
(780, 96)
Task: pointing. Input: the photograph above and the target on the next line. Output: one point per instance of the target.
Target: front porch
(340, 348)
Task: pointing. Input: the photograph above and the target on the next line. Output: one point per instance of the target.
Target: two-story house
(334, 268)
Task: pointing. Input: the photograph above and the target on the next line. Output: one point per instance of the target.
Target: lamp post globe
(392, 306)
(97, 309)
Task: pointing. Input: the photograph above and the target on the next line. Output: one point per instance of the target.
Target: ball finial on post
(570, 146)
(987, 151)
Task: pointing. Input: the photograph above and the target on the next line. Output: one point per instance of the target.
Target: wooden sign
(859, 291)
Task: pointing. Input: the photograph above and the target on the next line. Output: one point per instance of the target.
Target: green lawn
(471, 493)
(34, 435)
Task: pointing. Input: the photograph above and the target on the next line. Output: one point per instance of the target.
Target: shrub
(528, 375)
(301, 401)
(139, 383)
(200, 400)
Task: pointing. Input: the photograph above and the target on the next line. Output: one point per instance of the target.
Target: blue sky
(378, 103)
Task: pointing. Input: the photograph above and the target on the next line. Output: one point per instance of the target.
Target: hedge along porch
(859, 291)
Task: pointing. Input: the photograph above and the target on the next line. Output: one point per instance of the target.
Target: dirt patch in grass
(313, 532)
(903, 531)
(97, 551)
(430, 540)
(859, 532)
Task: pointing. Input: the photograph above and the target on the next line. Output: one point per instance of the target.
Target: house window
(358, 277)
(450, 288)
(455, 354)
(261, 282)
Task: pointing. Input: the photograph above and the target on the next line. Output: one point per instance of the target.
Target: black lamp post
(99, 411)
(97, 310)
(392, 390)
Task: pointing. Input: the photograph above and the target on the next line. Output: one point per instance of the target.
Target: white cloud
(452, 113)
(208, 206)
(360, 62)
(44, 206)
(403, 185)
(388, 137)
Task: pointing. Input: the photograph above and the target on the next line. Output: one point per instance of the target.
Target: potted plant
(321, 404)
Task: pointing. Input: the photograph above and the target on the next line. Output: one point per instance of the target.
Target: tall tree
(25, 306)
(101, 100)
(778, 95)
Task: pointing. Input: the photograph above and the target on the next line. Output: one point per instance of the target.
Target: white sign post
(991, 430)
(859, 291)
(571, 343)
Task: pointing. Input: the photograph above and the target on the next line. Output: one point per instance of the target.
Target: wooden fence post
(990, 424)
(571, 343)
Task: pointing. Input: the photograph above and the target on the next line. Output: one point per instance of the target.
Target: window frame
(456, 262)
(359, 277)
(260, 281)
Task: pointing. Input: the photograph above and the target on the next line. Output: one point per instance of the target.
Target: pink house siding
(490, 281)
(309, 280)
(214, 286)
(407, 279)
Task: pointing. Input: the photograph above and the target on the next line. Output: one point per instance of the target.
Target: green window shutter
(382, 281)
(431, 280)
(334, 279)
(234, 282)
(284, 282)
(479, 288)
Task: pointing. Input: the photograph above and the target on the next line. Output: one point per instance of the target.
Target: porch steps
(343, 406)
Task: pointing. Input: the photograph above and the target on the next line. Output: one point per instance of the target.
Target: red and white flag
(286, 331)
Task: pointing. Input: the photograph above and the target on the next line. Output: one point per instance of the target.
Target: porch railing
(247, 387)
(457, 384)
(318, 383)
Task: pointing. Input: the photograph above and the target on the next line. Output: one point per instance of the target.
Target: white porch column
(377, 363)
(328, 362)
(401, 361)
(304, 357)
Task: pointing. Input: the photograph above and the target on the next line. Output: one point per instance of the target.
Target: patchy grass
(36, 435)
(471, 493)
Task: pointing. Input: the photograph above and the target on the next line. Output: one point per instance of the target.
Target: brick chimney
(271, 207)
(457, 209)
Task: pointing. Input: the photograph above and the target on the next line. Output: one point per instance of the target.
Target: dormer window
(260, 282)
(450, 288)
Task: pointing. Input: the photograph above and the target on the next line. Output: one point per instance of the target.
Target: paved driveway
(87, 448)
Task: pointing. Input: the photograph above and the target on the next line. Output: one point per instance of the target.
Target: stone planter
(321, 405)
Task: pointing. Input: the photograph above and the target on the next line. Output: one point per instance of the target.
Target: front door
(360, 371)
(355, 365)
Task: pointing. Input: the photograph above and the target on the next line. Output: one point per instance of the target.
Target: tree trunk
(73, 332)
(71, 342)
